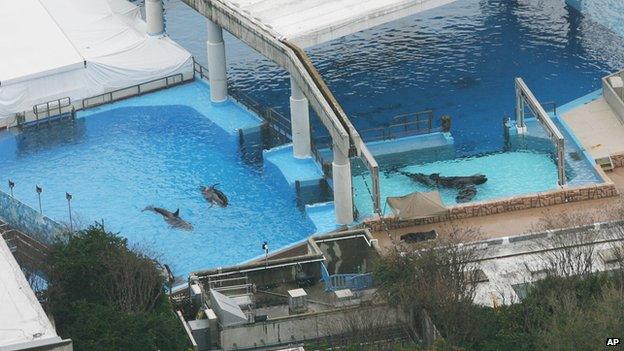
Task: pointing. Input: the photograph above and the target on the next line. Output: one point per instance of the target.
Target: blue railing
(356, 282)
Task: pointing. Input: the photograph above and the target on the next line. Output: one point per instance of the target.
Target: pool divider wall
(516, 203)
(27, 220)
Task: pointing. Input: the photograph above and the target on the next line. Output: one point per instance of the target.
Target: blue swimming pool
(459, 59)
(507, 175)
(157, 150)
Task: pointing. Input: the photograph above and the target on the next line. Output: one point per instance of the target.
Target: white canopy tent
(53, 49)
(312, 22)
(417, 205)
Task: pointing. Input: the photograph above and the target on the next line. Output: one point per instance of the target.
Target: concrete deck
(306, 171)
(521, 222)
(597, 127)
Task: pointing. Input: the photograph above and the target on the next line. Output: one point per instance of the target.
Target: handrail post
(430, 123)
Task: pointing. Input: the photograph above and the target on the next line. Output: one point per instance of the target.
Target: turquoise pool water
(509, 173)
(157, 150)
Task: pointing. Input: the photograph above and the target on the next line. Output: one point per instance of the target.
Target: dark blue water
(460, 59)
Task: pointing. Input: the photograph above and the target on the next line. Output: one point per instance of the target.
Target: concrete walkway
(598, 128)
(525, 221)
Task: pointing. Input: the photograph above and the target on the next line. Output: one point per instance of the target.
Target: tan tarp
(417, 205)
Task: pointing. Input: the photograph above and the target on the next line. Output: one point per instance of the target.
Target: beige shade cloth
(417, 205)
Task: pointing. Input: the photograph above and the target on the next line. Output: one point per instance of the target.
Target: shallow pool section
(117, 160)
(509, 174)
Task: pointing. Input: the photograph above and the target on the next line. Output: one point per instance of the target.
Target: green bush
(106, 296)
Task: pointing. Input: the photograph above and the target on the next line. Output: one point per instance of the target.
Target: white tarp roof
(77, 49)
(22, 319)
(312, 22)
(31, 43)
(417, 205)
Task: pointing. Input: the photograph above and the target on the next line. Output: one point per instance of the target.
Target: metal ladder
(52, 110)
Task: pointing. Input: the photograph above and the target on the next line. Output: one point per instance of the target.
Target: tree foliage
(107, 296)
(436, 277)
(573, 308)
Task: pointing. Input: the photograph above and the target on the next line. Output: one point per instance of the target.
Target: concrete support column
(154, 17)
(216, 63)
(299, 121)
(343, 193)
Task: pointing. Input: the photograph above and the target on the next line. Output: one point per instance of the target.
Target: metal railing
(525, 98)
(278, 126)
(27, 250)
(276, 120)
(296, 61)
(201, 70)
(48, 111)
(382, 338)
(131, 91)
(400, 126)
(550, 106)
(56, 105)
(355, 282)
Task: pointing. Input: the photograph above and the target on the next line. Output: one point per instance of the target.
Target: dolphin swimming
(173, 218)
(214, 195)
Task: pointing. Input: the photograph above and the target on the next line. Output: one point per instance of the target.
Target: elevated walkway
(279, 30)
(312, 22)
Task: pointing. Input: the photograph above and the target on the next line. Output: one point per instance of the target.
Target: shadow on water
(35, 138)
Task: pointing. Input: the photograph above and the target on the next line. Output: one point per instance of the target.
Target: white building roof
(22, 319)
(53, 49)
(32, 45)
(312, 22)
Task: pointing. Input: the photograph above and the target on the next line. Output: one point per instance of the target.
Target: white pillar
(154, 17)
(216, 63)
(299, 121)
(343, 197)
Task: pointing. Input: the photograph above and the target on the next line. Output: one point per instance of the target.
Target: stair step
(606, 163)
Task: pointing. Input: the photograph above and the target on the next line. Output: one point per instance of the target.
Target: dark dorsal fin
(177, 213)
